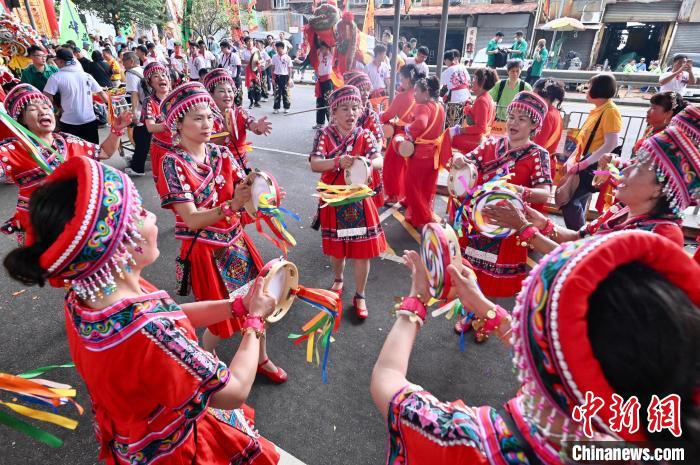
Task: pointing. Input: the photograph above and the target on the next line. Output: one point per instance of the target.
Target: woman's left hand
(122, 121)
(505, 215)
(283, 194)
(262, 126)
(419, 277)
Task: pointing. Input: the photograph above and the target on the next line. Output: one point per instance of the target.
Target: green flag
(71, 27)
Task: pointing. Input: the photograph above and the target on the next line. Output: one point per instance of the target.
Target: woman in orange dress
(350, 231)
(157, 396)
(206, 189)
(397, 115)
(425, 131)
(479, 116)
(552, 91)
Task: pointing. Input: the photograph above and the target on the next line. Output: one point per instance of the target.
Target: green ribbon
(32, 431)
(40, 371)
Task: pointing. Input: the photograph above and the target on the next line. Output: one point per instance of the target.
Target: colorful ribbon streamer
(30, 141)
(337, 195)
(318, 330)
(272, 215)
(40, 392)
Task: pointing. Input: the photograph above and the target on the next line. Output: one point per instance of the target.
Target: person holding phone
(680, 76)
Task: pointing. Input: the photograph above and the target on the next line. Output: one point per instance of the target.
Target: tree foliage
(210, 17)
(123, 13)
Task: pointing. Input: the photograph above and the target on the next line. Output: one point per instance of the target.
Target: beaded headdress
(181, 100)
(346, 93)
(215, 77)
(552, 352)
(359, 79)
(95, 243)
(20, 96)
(688, 121)
(677, 163)
(532, 104)
(152, 68)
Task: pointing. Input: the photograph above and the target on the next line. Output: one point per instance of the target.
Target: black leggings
(142, 144)
(322, 101)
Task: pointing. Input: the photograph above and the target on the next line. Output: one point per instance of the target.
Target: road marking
(391, 257)
(410, 229)
(388, 212)
(286, 152)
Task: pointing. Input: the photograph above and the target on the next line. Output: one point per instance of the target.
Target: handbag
(570, 184)
(183, 270)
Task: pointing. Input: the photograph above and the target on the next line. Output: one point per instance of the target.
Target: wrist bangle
(254, 324)
(526, 194)
(549, 228)
(238, 309)
(414, 309)
(116, 132)
(226, 210)
(525, 234)
(336, 163)
(483, 327)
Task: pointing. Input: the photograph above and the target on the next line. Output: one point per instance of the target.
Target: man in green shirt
(519, 48)
(492, 50)
(505, 90)
(539, 58)
(38, 72)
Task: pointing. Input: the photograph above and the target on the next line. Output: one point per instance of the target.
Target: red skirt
(216, 271)
(352, 231)
(420, 183)
(378, 188)
(394, 169)
(500, 265)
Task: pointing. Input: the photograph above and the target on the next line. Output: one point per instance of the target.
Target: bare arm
(321, 165)
(670, 77)
(611, 141)
(197, 219)
(111, 143)
(207, 312)
(154, 127)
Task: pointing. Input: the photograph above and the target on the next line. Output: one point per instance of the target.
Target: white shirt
(282, 64)
(422, 68)
(231, 62)
(209, 59)
(133, 84)
(378, 74)
(454, 77)
(246, 54)
(170, 43)
(76, 88)
(677, 84)
(325, 64)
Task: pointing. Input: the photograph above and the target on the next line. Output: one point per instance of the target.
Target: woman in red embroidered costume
(660, 183)
(157, 78)
(479, 116)
(156, 395)
(350, 231)
(397, 115)
(425, 131)
(552, 91)
(233, 121)
(33, 110)
(206, 189)
(500, 263)
(369, 119)
(579, 323)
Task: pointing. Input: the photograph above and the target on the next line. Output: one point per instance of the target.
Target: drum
(388, 130)
(280, 278)
(360, 173)
(263, 183)
(461, 180)
(439, 248)
(405, 147)
(494, 196)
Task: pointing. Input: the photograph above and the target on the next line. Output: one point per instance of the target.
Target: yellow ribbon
(41, 416)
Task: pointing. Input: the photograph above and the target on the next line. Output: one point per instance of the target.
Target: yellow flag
(368, 25)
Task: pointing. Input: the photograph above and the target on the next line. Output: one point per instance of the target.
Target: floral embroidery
(235, 265)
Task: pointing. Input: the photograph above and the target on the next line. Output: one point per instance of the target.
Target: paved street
(335, 423)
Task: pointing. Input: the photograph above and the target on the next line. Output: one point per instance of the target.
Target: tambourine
(280, 278)
(439, 248)
(495, 196)
(388, 130)
(405, 147)
(360, 172)
(263, 183)
(461, 180)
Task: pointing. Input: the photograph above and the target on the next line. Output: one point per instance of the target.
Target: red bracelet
(548, 228)
(524, 236)
(238, 309)
(414, 308)
(116, 131)
(226, 210)
(254, 323)
(526, 194)
(483, 327)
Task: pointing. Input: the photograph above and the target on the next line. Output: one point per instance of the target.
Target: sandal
(362, 313)
(278, 376)
(462, 327)
(339, 290)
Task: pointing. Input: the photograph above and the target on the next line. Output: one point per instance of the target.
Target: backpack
(502, 86)
(500, 59)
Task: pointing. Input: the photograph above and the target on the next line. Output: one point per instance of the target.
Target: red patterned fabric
(500, 263)
(329, 144)
(394, 164)
(479, 118)
(150, 385)
(616, 218)
(161, 142)
(370, 121)
(224, 257)
(20, 168)
(235, 121)
(549, 136)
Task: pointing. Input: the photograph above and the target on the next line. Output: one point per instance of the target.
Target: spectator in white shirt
(281, 67)
(324, 84)
(680, 76)
(454, 82)
(420, 60)
(142, 138)
(287, 44)
(379, 71)
(75, 87)
(209, 58)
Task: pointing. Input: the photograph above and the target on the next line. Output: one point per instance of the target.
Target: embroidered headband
(152, 68)
(343, 94)
(358, 79)
(677, 163)
(94, 243)
(215, 77)
(182, 99)
(688, 121)
(19, 97)
(552, 352)
(532, 104)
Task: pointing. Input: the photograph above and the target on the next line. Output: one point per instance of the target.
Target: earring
(176, 139)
